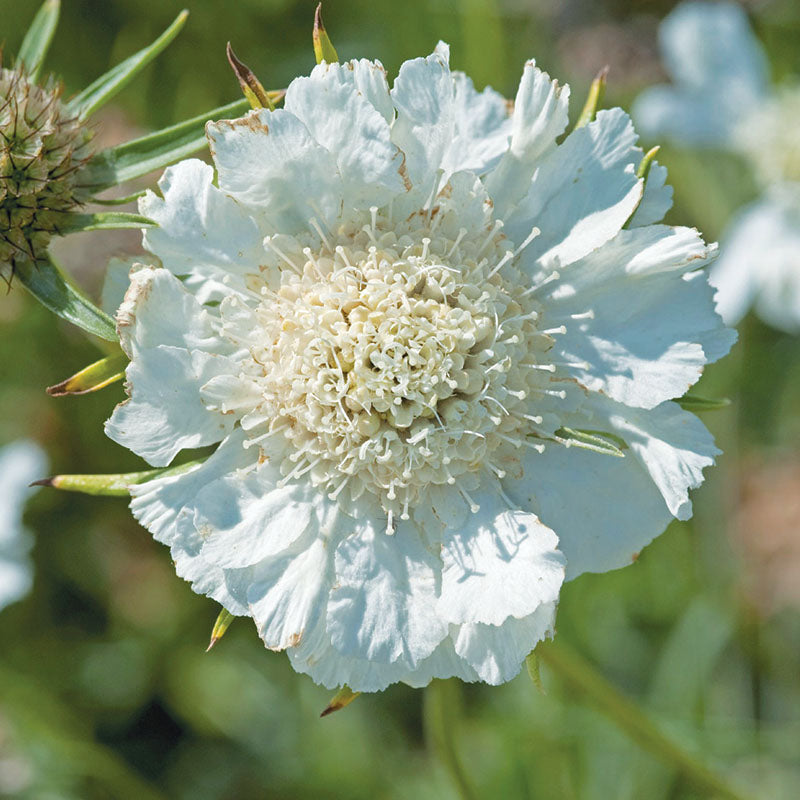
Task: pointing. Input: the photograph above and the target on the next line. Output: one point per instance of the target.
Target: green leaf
(222, 624)
(101, 221)
(37, 40)
(593, 99)
(96, 376)
(106, 86)
(598, 441)
(119, 201)
(138, 157)
(111, 485)
(49, 285)
(323, 47)
(643, 170)
(534, 671)
(691, 402)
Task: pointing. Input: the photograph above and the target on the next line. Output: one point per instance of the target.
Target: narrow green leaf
(598, 441)
(96, 376)
(111, 485)
(323, 47)
(103, 221)
(37, 40)
(534, 671)
(340, 700)
(48, 284)
(256, 94)
(593, 99)
(133, 159)
(691, 402)
(119, 201)
(106, 86)
(222, 624)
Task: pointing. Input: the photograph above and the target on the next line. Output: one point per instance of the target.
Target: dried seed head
(42, 151)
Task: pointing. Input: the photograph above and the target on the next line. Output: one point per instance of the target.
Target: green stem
(630, 718)
(440, 700)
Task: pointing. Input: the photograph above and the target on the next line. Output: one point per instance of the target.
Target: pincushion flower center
(396, 357)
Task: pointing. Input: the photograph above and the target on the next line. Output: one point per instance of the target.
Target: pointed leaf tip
(221, 625)
(340, 700)
(593, 99)
(323, 47)
(37, 40)
(647, 161)
(256, 95)
(96, 376)
(42, 482)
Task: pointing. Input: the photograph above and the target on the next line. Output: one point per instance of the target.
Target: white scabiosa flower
(721, 98)
(439, 353)
(20, 463)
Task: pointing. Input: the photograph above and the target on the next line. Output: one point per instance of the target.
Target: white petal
(246, 518)
(270, 163)
(358, 137)
(165, 507)
(581, 195)
(202, 234)
(424, 128)
(656, 200)
(540, 116)
(482, 128)
(636, 348)
(16, 579)
(501, 562)
(370, 78)
(383, 605)
(759, 263)
(165, 413)
(21, 462)
(497, 653)
(720, 71)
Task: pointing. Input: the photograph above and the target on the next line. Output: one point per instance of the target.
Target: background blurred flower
(721, 98)
(20, 463)
(427, 338)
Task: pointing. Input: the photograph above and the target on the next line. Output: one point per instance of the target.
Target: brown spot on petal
(295, 639)
(404, 174)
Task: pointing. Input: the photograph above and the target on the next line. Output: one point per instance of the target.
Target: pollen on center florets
(392, 357)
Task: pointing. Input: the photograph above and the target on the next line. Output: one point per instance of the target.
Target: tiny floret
(438, 353)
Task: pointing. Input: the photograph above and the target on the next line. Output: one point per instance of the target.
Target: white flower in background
(411, 321)
(722, 98)
(20, 463)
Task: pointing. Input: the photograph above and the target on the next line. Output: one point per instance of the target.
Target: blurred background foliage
(105, 689)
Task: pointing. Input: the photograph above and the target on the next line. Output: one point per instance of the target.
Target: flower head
(20, 463)
(438, 351)
(42, 150)
(722, 98)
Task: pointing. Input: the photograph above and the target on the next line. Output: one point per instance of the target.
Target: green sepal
(84, 104)
(111, 485)
(340, 700)
(102, 221)
(37, 40)
(254, 92)
(323, 47)
(593, 99)
(643, 170)
(695, 404)
(598, 441)
(534, 672)
(138, 157)
(221, 625)
(50, 286)
(119, 201)
(96, 376)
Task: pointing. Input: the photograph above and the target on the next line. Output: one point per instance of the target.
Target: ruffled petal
(383, 605)
(497, 652)
(618, 304)
(270, 163)
(348, 126)
(166, 507)
(582, 194)
(203, 234)
(500, 562)
(656, 200)
(540, 116)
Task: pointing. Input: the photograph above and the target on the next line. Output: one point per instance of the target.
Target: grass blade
(37, 40)
(106, 86)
